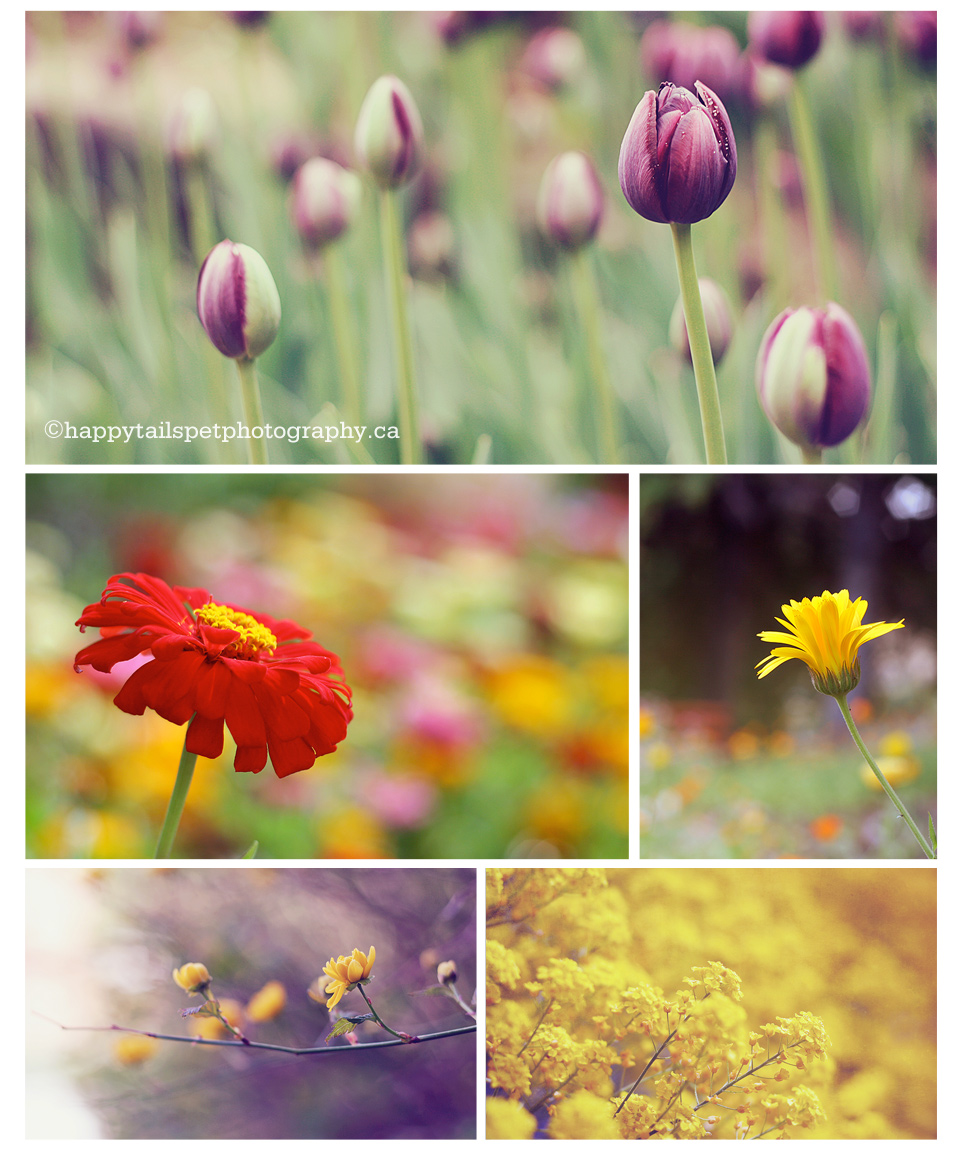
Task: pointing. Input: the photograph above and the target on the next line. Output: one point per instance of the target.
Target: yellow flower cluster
(582, 1041)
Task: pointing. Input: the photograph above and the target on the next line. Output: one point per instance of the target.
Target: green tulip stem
(342, 333)
(812, 455)
(178, 797)
(700, 353)
(394, 266)
(588, 305)
(815, 192)
(884, 783)
(252, 408)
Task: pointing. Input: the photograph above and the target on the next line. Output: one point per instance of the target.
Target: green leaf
(933, 832)
(207, 1008)
(251, 851)
(341, 1028)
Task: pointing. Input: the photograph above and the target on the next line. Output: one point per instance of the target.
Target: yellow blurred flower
(354, 834)
(826, 633)
(584, 1116)
(509, 1120)
(897, 743)
(268, 1003)
(134, 1049)
(533, 694)
(648, 723)
(743, 744)
(192, 977)
(897, 769)
(346, 972)
(827, 827)
(659, 756)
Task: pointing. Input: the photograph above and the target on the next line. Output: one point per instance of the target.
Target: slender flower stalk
(343, 335)
(699, 337)
(178, 798)
(815, 191)
(252, 408)
(588, 304)
(884, 782)
(395, 274)
(388, 142)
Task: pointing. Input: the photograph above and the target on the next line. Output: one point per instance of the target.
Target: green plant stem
(376, 1016)
(394, 266)
(812, 455)
(343, 334)
(700, 353)
(884, 783)
(252, 408)
(588, 305)
(178, 797)
(816, 195)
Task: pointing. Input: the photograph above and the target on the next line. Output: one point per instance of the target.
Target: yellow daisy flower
(346, 972)
(825, 633)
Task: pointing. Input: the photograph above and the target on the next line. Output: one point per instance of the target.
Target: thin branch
(199, 1040)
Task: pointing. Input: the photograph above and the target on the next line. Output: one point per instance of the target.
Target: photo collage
(481, 575)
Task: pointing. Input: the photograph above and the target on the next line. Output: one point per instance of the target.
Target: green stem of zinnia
(394, 266)
(699, 339)
(178, 797)
(588, 305)
(376, 1015)
(884, 783)
(252, 408)
(816, 195)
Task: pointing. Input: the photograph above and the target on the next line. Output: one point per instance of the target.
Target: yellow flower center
(253, 636)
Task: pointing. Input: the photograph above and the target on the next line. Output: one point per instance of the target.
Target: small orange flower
(346, 972)
(826, 827)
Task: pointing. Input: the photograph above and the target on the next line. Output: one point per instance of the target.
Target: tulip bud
(555, 58)
(813, 377)
(389, 134)
(237, 301)
(570, 202)
(678, 160)
(716, 312)
(193, 126)
(324, 201)
(790, 39)
(685, 53)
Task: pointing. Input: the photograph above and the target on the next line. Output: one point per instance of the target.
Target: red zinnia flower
(275, 688)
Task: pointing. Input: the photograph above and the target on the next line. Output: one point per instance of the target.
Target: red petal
(213, 690)
(205, 737)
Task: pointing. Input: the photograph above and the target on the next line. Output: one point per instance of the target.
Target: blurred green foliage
(112, 335)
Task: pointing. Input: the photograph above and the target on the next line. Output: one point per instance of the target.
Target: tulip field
(485, 268)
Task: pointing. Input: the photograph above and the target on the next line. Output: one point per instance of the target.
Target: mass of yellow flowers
(830, 1033)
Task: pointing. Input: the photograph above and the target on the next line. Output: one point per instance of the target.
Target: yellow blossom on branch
(193, 978)
(346, 972)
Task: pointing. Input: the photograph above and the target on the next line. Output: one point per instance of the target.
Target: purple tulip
(570, 203)
(685, 53)
(813, 376)
(237, 301)
(790, 39)
(324, 201)
(678, 160)
(389, 133)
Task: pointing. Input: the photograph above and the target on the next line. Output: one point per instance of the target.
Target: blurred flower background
(854, 946)
(100, 950)
(736, 767)
(150, 137)
(481, 622)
